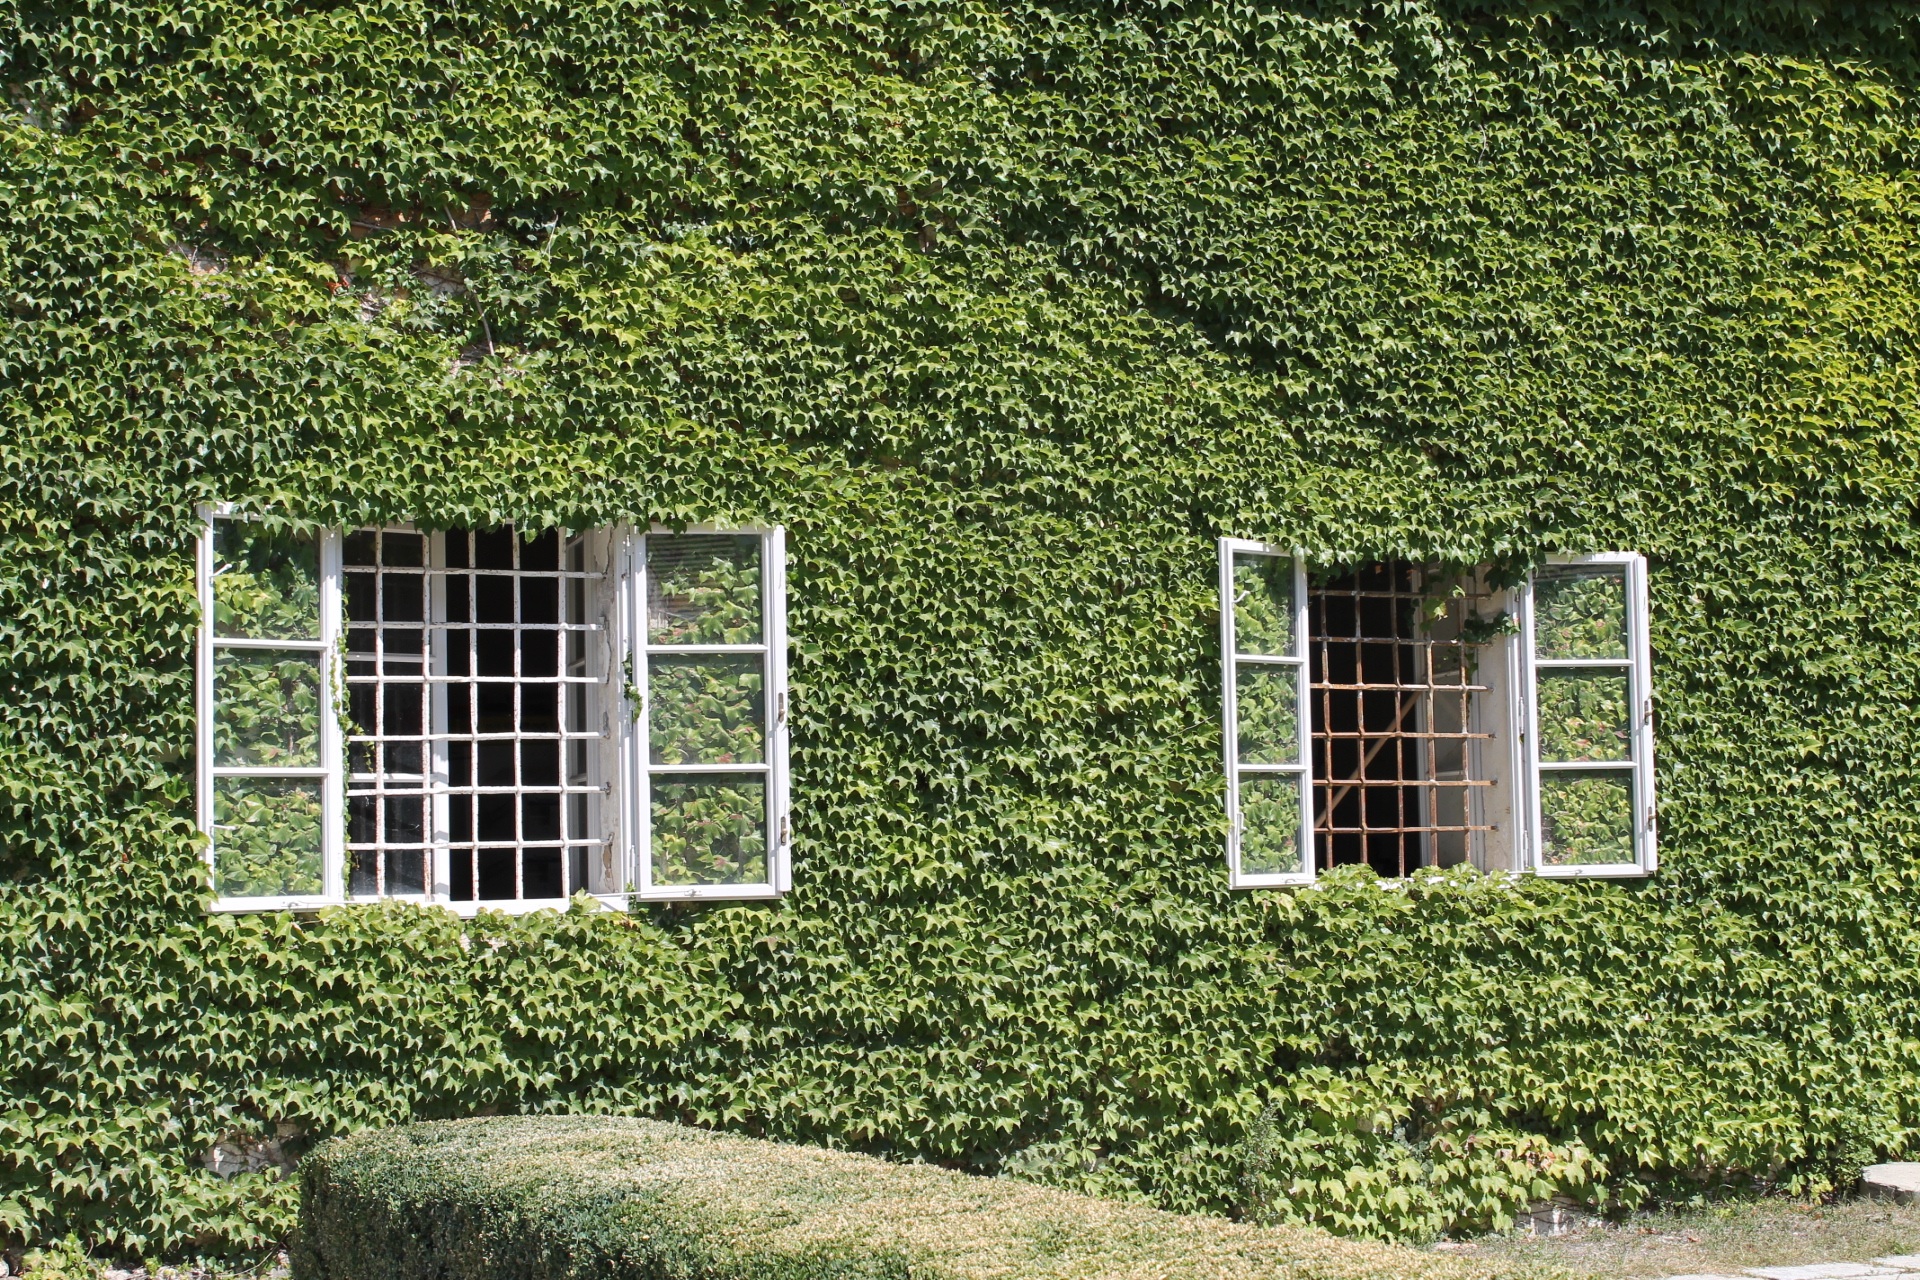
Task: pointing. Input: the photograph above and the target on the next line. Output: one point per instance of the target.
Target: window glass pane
(1580, 612)
(1263, 605)
(363, 877)
(406, 870)
(1584, 715)
(540, 873)
(540, 552)
(402, 547)
(703, 589)
(266, 583)
(266, 837)
(1269, 824)
(705, 710)
(1268, 704)
(266, 708)
(710, 829)
(498, 868)
(1586, 818)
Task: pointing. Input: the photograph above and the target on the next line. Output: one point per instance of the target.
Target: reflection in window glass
(1584, 715)
(1269, 824)
(267, 837)
(703, 589)
(706, 709)
(1267, 697)
(266, 708)
(266, 583)
(709, 829)
(709, 701)
(1580, 612)
(266, 712)
(1265, 754)
(1263, 605)
(1586, 818)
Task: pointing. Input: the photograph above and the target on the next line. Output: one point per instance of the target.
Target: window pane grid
(265, 735)
(1264, 702)
(1398, 780)
(474, 688)
(1589, 747)
(710, 712)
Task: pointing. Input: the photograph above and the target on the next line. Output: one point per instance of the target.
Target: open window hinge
(785, 834)
(780, 707)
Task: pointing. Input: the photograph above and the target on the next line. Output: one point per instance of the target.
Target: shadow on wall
(1864, 30)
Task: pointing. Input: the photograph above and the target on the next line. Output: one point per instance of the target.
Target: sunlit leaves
(1006, 314)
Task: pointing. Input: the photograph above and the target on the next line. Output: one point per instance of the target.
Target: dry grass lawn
(1724, 1238)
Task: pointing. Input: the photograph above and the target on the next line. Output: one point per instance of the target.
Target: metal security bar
(1398, 781)
(475, 673)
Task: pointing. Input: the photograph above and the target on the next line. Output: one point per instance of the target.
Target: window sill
(522, 907)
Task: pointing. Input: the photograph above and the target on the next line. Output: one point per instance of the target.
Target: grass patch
(609, 1198)
(1721, 1238)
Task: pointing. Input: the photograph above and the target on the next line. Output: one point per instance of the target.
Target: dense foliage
(615, 1198)
(1006, 312)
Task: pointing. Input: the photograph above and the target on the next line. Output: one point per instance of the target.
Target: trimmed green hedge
(608, 1198)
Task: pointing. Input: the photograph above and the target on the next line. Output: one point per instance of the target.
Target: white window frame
(773, 647)
(1524, 667)
(328, 771)
(630, 806)
(1639, 668)
(1229, 697)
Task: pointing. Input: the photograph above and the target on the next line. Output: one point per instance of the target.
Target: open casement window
(1402, 714)
(709, 684)
(268, 737)
(1590, 717)
(396, 713)
(1263, 622)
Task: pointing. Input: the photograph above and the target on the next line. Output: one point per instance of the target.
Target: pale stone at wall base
(1823, 1271)
(1904, 1261)
(1556, 1217)
(250, 1153)
(1897, 1182)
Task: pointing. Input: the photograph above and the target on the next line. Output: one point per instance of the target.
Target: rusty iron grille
(1396, 775)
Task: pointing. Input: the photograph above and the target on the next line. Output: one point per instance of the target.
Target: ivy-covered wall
(1006, 312)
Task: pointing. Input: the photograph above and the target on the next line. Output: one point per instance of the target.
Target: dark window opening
(1397, 651)
(454, 686)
